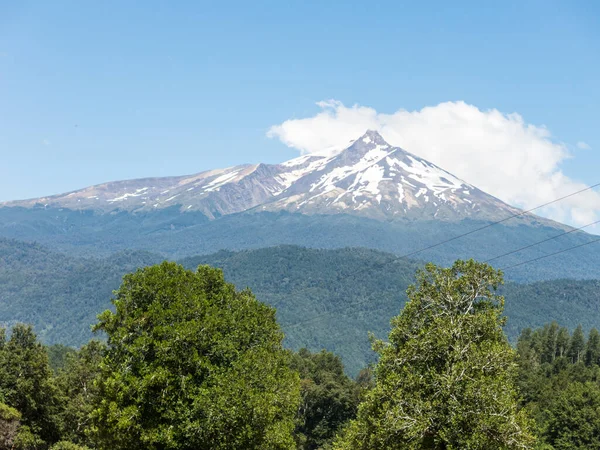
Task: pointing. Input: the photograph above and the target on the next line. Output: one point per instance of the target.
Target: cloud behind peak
(502, 154)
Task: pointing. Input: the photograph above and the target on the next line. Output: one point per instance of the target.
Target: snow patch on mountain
(220, 181)
(137, 193)
(369, 178)
(340, 173)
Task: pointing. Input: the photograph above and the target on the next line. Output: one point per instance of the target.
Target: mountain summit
(372, 178)
(369, 178)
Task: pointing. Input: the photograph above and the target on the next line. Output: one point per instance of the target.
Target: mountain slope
(370, 178)
(367, 195)
(176, 235)
(373, 179)
(324, 298)
(58, 294)
(213, 193)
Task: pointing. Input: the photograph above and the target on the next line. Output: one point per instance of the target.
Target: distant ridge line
(541, 242)
(498, 222)
(407, 255)
(551, 254)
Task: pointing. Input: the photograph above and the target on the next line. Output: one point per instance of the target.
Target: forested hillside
(324, 298)
(59, 295)
(188, 353)
(176, 235)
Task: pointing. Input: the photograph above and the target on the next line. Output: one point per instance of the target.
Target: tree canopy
(329, 398)
(191, 363)
(560, 390)
(26, 385)
(445, 379)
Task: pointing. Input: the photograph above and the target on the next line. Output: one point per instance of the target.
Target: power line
(497, 222)
(551, 254)
(541, 242)
(407, 255)
(318, 316)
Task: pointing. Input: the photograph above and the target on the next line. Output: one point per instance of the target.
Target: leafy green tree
(365, 380)
(574, 419)
(26, 384)
(57, 355)
(563, 395)
(26, 439)
(66, 445)
(446, 378)
(577, 346)
(191, 363)
(328, 398)
(529, 362)
(592, 348)
(77, 382)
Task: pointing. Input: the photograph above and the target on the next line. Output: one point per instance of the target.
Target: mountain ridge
(369, 178)
(367, 195)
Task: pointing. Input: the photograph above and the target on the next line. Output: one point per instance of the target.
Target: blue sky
(99, 91)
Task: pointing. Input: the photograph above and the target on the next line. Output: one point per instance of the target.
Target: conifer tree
(550, 335)
(328, 398)
(26, 384)
(77, 382)
(592, 348)
(563, 339)
(577, 346)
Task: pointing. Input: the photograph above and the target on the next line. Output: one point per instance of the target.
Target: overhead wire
(497, 257)
(551, 254)
(498, 221)
(542, 241)
(429, 247)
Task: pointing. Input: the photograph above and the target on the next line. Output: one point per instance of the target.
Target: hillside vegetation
(326, 299)
(191, 362)
(176, 235)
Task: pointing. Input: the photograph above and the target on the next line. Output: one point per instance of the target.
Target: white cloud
(46, 142)
(499, 153)
(583, 145)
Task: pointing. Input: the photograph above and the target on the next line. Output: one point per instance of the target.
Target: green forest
(173, 235)
(327, 299)
(189, 361)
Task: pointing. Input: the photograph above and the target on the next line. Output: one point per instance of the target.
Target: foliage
(573, 419)
(328, 398)
(26, 439)
(60, 295)
(561, 390)
(77, 382)
(26, 384)
(446, 378)
(191, 359)
(324, 298)
(66, 445)
(58, 355)
(192, 363)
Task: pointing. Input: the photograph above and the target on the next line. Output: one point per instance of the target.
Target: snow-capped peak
(372, 137)
(370, 177)
(373, 178)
